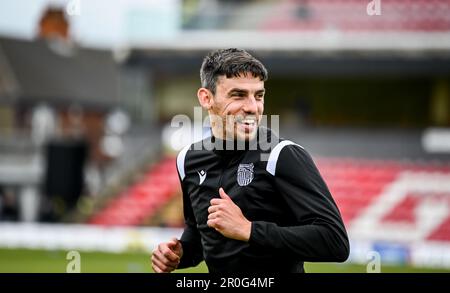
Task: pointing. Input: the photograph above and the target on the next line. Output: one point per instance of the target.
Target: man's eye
(240, 95)
(259, 97)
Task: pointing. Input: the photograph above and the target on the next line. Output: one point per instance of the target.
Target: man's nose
(250, 105)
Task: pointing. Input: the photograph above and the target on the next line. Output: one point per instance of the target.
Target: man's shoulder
(274, 144)
(284, 152)
(192, 154)
(195, 146)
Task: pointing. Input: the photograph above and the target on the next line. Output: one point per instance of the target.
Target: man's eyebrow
(238, 90)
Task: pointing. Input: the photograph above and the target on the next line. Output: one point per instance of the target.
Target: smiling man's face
(237, 107)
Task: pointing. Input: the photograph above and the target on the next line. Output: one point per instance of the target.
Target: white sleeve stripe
(275, 153)
(180, 161)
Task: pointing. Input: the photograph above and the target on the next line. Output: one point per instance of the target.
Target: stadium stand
(143, 198)
(442, 233)
(357, 185)
(344, 15)
(320, 54)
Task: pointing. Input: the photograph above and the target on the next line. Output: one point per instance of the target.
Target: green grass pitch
(42, 261)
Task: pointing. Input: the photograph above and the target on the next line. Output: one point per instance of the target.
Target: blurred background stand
(64, 176)
(88, 89)
(21, 177)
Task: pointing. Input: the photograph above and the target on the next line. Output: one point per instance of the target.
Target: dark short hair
(230, 62)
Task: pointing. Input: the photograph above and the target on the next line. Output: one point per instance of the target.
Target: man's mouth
(247, 121)
(247, 124)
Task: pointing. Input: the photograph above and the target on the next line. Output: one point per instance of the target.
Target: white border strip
(83, 237)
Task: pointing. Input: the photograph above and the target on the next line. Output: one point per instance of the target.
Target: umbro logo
(202, 176)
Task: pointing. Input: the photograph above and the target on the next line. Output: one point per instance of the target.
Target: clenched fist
(227, 218)
(166, 257)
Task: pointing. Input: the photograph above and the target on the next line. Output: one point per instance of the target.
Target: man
(250, 209)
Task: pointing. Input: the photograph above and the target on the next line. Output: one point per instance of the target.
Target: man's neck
(231, 144)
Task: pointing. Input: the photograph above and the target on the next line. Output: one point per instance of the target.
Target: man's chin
(246, 136)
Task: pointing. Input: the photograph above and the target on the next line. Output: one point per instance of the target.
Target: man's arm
(187, 251)
(319, 234)
(183, 253)
(190, 240)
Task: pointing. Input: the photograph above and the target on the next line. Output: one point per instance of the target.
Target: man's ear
(205, 98)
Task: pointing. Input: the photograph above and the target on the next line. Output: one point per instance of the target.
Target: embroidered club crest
(245, 174)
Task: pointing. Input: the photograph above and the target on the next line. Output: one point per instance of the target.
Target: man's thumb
(173, 243)
(223, 195)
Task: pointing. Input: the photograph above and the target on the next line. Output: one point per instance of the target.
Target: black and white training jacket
(278, 188)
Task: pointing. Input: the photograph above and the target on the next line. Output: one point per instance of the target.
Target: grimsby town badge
(245, 174)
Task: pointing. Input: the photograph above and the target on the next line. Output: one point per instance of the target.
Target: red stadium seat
(354, 183)
(143, 198)
(350, 15)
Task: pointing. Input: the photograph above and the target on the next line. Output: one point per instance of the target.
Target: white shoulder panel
(275, 153)
(180, 161)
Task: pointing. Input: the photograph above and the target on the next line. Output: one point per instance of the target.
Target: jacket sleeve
(190, 239)
(319, 233)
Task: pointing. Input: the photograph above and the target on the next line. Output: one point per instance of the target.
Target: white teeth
(247, 121)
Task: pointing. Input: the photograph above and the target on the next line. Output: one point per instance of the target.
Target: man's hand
(227, 218)
(166, 257)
